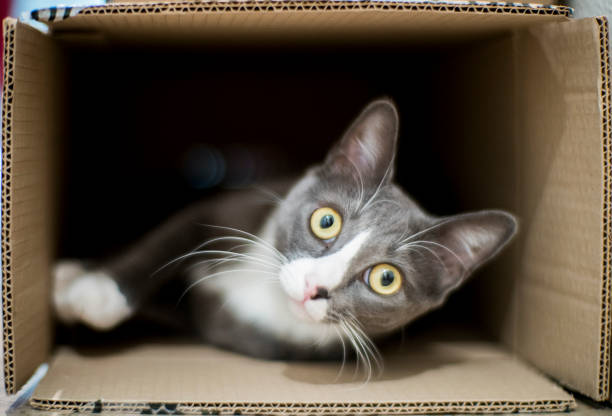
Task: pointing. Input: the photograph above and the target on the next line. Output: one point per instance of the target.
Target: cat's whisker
(362, 351)
(376, 355)
(371, 347)
(261, 240)
(459, 259)
(229, 259)
(389, 201)
(380, 184)
(198, 248)
(414, 250)
(222, 260)
(209, 276)
(419, 233)
(221, 252)
(236, 257)
(433, 253)
(341, 338)
(360, 183)
(362, 347)
(276, 198)
(247, 241)
(358, 354)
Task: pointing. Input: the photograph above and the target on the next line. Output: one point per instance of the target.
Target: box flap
(428, 376)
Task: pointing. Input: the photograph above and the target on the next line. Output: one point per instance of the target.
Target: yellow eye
(325, 223)
(384, 279)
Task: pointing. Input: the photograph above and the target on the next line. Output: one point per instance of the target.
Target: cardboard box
(509, 103)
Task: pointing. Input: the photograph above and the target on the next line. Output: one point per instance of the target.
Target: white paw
(90, 297)
(65, 272)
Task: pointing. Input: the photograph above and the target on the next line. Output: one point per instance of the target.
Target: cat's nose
(313, 292)
(320, 293)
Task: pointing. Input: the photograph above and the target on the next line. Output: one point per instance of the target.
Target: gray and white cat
(345, 257)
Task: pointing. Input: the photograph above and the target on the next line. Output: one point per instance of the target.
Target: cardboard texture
(27, 199)
(564, 302)
(527, 103)
(425, 377)
(550, 167)
(305, 21)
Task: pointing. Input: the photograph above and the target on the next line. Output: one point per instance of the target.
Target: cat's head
(360, 248)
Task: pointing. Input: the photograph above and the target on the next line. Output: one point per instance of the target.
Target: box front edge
(606, 121)
(9, 26)
(280, 408)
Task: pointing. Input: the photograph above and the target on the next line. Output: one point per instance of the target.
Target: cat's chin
(299, 311)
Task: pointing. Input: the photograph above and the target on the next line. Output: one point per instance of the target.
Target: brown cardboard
(29, 122)
(557, 294)
(425, 376)
(303, 21)
(543, 90)
(549, 297)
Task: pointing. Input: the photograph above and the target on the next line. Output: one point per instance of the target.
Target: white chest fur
(250, 291)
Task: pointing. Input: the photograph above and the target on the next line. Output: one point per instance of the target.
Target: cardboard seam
(55, 14)
(310, 408)
(7, 144)
(604, 360)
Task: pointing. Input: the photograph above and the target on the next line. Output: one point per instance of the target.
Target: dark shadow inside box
(151, 130)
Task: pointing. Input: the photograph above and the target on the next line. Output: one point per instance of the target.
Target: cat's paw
(90, 297)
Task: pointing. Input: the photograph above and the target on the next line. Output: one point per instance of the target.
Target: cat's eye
(325, 223)
(384, 279)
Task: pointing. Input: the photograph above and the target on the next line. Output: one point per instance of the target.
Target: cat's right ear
(462, 243)
(367, 149)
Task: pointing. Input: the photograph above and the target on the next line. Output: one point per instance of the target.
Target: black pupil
(327, 221)
(387, 278)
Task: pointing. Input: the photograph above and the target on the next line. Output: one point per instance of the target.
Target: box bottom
(441, 373)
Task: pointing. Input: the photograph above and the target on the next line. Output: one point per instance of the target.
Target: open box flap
(443, 375)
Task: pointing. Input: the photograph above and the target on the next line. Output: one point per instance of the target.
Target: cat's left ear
(460, 244)
(367, 149)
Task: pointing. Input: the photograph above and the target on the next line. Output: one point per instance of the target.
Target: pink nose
(314, 292)
(309, 292)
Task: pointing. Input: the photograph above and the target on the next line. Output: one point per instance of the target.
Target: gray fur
(434, 255)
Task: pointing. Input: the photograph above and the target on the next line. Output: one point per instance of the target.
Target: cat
(344, 258)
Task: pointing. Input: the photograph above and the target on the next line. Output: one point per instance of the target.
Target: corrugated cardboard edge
(56, 14)
(9, 26)
(604, 364)
(311, 408)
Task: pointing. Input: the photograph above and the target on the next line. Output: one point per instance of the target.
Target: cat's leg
(113, 291)
(92, 297)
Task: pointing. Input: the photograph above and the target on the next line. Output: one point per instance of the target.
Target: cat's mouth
(310, 310)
